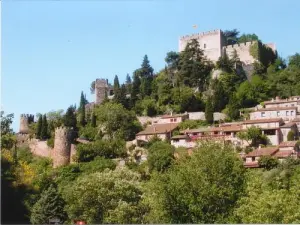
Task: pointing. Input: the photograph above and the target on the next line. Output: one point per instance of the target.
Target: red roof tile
(284, 153)
(263, 121)
(262, 152)
(288, 144)
(159, 129)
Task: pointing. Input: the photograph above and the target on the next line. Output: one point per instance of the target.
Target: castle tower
(101, 87)
(62, 147)
(25, 120)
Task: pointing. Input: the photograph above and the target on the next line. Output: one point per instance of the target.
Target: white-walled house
(182, 141)
(286, 113)
(293, 101)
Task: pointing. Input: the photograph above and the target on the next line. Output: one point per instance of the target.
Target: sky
(53, 50)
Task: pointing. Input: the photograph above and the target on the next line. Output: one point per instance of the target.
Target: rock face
(62, 147)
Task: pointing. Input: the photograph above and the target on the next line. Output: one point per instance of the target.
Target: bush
(291, 136)
(50, 142)
(268, 162)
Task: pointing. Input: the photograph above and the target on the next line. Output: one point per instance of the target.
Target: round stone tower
(62, 147)
(25, 120)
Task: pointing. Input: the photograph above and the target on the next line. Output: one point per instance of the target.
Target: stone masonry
(25, 120)
(62, 147)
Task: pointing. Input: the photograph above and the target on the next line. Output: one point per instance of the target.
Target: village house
(182, 141)
(293, 101)
(162, 131)
(281, 152)
(286, 113)
(177, 118)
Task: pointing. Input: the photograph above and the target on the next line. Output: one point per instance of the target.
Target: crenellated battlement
(199, 35)
(245, 44)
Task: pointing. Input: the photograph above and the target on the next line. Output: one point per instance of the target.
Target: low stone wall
(40, 148)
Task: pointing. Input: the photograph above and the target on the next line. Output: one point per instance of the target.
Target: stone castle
(213, 43)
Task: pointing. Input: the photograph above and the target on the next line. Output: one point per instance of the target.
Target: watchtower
(101, 88)
(62, 147)
(25, 120)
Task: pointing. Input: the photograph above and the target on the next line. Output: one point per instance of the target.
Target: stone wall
(242, 50)
(40, 148)
(211, 42)
(196, 115)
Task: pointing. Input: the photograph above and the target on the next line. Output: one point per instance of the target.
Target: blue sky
(53, 50)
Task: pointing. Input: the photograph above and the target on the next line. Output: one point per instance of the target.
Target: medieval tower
(62, 147)
(101, 88)
(25, 120)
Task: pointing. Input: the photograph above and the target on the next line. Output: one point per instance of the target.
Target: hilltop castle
(213, 43)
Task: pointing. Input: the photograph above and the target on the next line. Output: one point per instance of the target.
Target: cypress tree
(39, 127)
(128, 84)
(123, 99)
(70, 118)
(93, 122)
(146, 77)
(44, 132)
(81, 110)
(117, 94)
(209, 112)
(49, 206)
(135, 87)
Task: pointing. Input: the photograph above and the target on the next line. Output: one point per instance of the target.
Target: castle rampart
(62, 147)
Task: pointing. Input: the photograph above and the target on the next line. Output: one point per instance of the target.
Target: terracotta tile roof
(296, 119)
(263, 151)
(263, 121)
(159, 129)
(288, 144)
(284, 153)
(173, 116)
(197, 130)
(227, 128)
(288, 125)
(180, 137)
(251, 164)
(277, 108)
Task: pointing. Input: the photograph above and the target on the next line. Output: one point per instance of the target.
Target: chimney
(277, 98)
(273, 99)
(259, 146)
(171, 113)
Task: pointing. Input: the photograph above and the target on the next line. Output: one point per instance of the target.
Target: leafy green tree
(247, 37)
(225, 64)
(219, 97)
(253, 136)
(190, 191)
(194, 68)
(191, 124)
(231, 36)
(233, 107)
(82, 119)
(44, 132)
(8, 140)
(39, 127)
(92, 87)
(114, 195)
(55, 119)
(209, 111)
(268, 162)
(93, 120)
(117, 90)
(160, 156)
(294, 60)
(291, 136)
(49, 206)
(117, 122)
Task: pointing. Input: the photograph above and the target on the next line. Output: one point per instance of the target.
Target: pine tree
(44, 132)
(117, 94)
(128, 84)
(81, 110)
(209, 112)
(135, 87)
(39, 127)
(146, 72)
(123, 99)
(233, 108)
(49, 206)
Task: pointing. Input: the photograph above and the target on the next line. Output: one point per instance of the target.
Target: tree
(219, 97)
(247, 37)
(114, 195)
(209, 111)
(117, 122)
(201, 189)
(70, 118)
(49, 206)
(81, 110)
(194, 68)
(253, 136)
(135, 87)
(92, 87)
(233, 108)
(128, 84)
(268, 162)
(225, 64)
(8, 140)
(294, 60)
(291, 136)
(44, 132)
(160, 156)
(93, 120)
(231, 36)
(146, 75)
(39, 127)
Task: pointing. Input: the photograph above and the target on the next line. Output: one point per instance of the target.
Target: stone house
(177, 118)
(162, 131)
(293, 101)
(251, 159)
(182, 141)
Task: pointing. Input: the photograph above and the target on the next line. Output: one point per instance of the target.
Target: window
(278, 113)
(204, 45)
(293, 104)
(292, 113)
(175, 120)
(270, 132)
(287, 113)
(253, 158)
(171, 120)
(263, 114)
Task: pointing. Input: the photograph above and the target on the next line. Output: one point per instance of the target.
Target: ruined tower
(62, 147)
(25, 120)
(101, 88)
